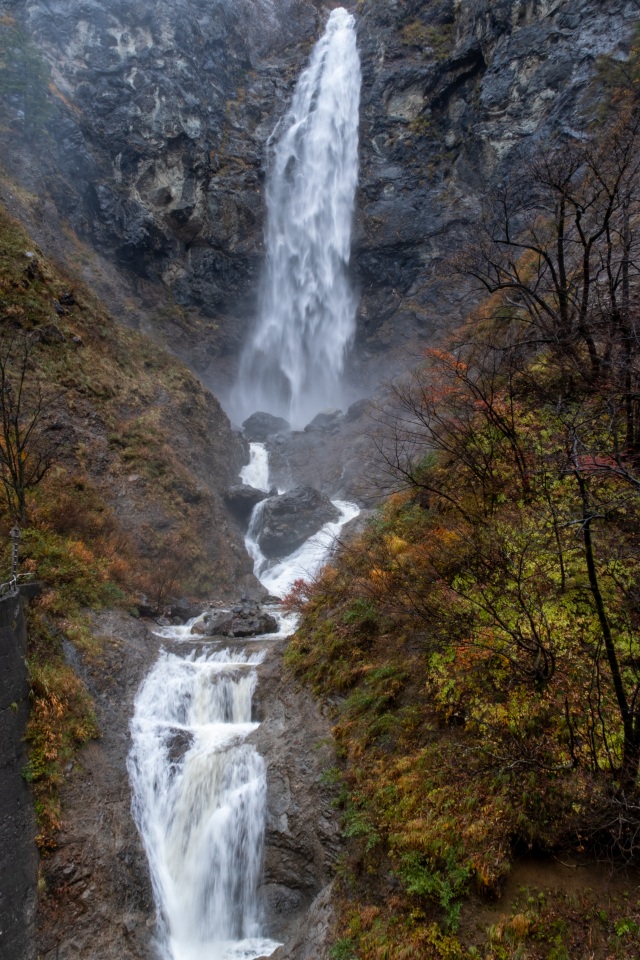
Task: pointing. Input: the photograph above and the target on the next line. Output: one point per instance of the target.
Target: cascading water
(256, 472)
(199, 803)
(278, 576)
(293, 362)
(198, 788)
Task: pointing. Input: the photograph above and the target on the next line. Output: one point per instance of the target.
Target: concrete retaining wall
(18, 853)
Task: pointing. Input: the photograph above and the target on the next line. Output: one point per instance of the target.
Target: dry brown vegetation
(480, 643)
(123, 508)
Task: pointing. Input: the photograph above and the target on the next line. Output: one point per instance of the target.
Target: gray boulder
(358, 409)
(213, 625)
(253, 626)
(185, 609)
(260, 426)
(291, 518)
(326, 420)
(245, 621)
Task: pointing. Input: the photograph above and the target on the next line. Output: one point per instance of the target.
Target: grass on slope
(123, 511)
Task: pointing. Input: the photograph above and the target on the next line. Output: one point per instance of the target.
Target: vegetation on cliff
(481, 639)
(119, 511)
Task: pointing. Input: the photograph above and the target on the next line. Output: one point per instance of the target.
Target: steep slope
(137, 428)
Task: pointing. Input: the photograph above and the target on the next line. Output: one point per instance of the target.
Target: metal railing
(11, 586)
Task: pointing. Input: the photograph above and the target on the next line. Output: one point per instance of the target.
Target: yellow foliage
(396, 545)
(520, 925)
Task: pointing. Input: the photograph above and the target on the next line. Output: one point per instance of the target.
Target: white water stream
(256, 472)
(199, 800)
(293, 362)
(199, 789)
(278, 576)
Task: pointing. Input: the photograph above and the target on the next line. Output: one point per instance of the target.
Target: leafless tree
(559, 257)
(557, 264)
(28, 447)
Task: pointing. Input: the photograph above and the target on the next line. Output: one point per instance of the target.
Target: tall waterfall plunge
(199, 787)
(293, 362)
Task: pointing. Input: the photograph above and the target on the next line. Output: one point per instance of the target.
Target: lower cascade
(280, 575)
(199, 789)
(199, 803)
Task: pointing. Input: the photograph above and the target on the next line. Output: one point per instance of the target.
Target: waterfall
(199, 790)
(292, 363)
(199, 802)
(278, 576)
(256, 472)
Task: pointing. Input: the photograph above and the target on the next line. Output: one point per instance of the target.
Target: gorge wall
(151, 141)
(136, 141)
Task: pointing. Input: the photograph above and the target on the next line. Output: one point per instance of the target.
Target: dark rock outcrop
(260, 426)
(325, 420)
(18, 853)
(358, 409)
(253, 626)
(211, 625)
(343, 461)
(185, 609)
(241, 499)
(247, 620)
(288, 520)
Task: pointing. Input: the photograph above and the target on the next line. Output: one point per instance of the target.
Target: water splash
(293, 362)
(256, 472)
(199, 802)
(278, 576)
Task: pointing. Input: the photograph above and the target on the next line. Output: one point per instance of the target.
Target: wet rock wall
(156, 142)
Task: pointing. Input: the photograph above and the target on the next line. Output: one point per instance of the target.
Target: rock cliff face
(153, 142)
(302, 839)
(455, 97)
